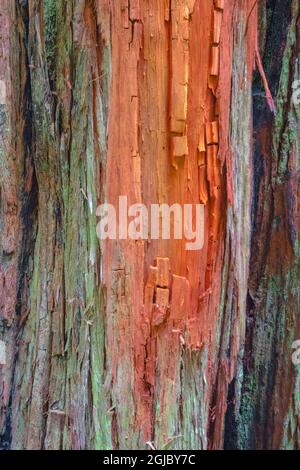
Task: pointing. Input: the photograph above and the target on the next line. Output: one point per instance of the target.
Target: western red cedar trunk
(132, 344)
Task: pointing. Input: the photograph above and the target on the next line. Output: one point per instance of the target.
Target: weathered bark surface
(122, 344)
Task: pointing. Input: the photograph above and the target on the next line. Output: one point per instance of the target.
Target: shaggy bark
(131, 344)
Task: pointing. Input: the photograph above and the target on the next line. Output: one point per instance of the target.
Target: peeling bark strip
(132, 344)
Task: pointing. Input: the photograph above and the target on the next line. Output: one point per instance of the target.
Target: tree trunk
(136, 344)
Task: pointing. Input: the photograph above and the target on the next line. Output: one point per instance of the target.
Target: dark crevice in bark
(278, 21)
(29, 205)
(260, 374)
(278, 18)
(30, 194)
(230, 433)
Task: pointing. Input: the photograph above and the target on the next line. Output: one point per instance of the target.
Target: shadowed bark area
(134, 344)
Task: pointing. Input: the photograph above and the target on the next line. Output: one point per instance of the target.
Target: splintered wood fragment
(180, 299)
(186, 15)
(215, 61)
(153, 276)
(201, 145)
(203, 189)
(180, 74)
(178, 126)
(217, 26)
(180, 65)
(160, 307)
(212, 167)
(219, 4)
(179, 108)
(163, 278)
(212, 132)
(190, 5)
(162, 297)
(201, 158)
(149, 290)
(212, 82)
(180, 146)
